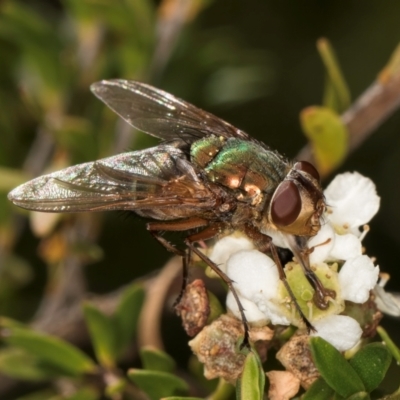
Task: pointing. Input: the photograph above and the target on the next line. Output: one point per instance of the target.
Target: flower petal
(252, 312)
(322, 244)
(255, 275)
(352, 200)
(357, 277)
(227, 246)
(340, 331)
(346, 246)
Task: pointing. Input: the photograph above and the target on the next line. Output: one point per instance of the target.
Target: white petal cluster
(352, 201)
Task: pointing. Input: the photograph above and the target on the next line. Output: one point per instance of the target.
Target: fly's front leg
(322, 295)
(264, 244)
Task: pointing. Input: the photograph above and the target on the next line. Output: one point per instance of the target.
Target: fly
(206, 177)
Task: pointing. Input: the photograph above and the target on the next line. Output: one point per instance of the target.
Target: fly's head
(298, 202)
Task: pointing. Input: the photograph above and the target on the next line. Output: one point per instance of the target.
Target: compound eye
(286, 204)
(307, 167)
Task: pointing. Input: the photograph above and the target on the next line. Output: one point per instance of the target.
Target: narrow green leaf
(359, 396)
(252, 381)
(216, 308)
(327, 135)
(50, 349)
(86, 393)
(182, 398)
(392, 68)
(389, 343)
(319, 390)
(19, 364)
(127, 315)
(156, 360)
(333, 367)
(224, 390)
(371, 364)
(103, 336)
(157, 384)
(6, 322)
(337, 93)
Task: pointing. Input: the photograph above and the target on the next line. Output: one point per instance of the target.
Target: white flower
(357, 277)
(340, 331)
(352, 201)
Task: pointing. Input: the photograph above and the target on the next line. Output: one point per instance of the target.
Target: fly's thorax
(203, 151)
(298, 202)
(248, 169)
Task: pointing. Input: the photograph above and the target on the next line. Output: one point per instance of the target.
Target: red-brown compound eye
(307, 167)
(286, 204)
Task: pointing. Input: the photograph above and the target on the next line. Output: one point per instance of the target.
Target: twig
(149, 333)
(369, 111)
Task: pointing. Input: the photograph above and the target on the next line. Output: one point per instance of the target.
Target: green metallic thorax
(249, 169)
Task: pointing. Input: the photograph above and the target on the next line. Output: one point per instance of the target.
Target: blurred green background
(252, 63)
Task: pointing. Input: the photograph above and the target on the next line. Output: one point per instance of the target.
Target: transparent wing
(157, 177)
(159, 113)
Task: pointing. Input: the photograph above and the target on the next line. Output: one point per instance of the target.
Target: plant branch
(367, 113)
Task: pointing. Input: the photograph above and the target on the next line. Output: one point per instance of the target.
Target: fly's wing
(158, 177)
(161, 114)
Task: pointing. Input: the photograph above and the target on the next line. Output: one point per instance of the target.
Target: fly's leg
(185, 276)
(208, 233)
(264, 244)
(282, 277)
(322, 295)
(182, 225)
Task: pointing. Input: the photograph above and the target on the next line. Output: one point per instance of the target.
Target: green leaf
(127, 315)
(333, 367)
(252, 381)
(21, 365)
(389, 343)
(371, 364)
(182, 398)
(156, 360)
(359, 396)
(392, 68)
(337, 93)
(216, 308)
(51, 350)
(103, 335)
(157, 384)
(319, 390)
(86, 393)
(327, 135)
